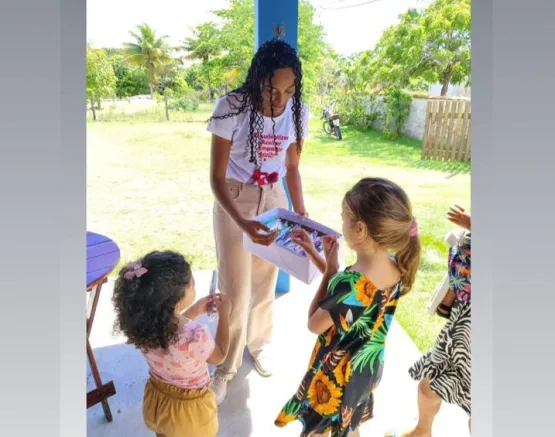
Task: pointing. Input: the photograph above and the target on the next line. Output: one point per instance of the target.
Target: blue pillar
(279, 19)
(273, 15)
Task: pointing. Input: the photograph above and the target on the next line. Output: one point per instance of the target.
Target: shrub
(357, 107)
(398, 104)
(186, 102)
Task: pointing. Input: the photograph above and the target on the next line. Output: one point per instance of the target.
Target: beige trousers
(248, 281)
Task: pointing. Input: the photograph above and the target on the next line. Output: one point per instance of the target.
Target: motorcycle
(331, 123)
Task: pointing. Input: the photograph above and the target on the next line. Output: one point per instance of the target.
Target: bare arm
(303, 240)
(293, 179)
(318, 261)
(219, 160)
(199, 308)
(319, 320)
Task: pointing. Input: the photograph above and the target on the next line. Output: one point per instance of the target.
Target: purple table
(102, 256)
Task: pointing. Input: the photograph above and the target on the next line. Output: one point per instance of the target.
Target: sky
(349, 29)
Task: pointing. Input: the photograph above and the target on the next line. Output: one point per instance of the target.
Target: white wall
(415, 122)
(452, 91)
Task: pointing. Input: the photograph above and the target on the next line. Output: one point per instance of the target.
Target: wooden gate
(447, 133)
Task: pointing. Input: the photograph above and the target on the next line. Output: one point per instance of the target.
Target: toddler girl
(153, 300)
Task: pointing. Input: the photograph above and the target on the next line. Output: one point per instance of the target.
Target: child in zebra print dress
(444, 374)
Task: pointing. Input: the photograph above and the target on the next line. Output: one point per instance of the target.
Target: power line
(320, 3)
(330, 8)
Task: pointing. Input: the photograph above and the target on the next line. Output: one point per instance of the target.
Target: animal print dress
(448, 365)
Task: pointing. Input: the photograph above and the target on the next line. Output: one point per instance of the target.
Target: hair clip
(413, 232)
(134, 270)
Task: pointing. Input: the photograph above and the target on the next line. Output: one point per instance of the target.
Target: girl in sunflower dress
(353, 309)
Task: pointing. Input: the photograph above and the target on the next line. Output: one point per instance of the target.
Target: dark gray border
(42, 174)
(42, 137)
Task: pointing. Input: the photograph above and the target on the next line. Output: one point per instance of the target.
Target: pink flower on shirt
(184, 363)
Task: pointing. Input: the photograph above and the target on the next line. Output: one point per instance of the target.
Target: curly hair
(145, 305)
(271, 56)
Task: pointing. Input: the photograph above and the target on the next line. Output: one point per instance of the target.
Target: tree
(148, 50)
(237, 36)
(355, 97)
(447, 26)
(178, 82)
(430, 45)
(130, 79)
(313, 49)
(171, 77)
(231, 78)
(193, 77)
(205, 45)
(101, 79)
(328, 75)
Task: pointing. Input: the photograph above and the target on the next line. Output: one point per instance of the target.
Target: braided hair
(271, 56)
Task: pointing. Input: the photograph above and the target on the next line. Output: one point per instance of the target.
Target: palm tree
(205, 45)
(148, 50)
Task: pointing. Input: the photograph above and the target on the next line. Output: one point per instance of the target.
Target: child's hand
(199, 308)
(459, 216)
(331, 251)
(301, 238)
(222, 304)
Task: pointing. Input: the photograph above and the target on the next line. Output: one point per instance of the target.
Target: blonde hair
(385, 209)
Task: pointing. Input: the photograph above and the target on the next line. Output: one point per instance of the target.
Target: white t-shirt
(236, 130)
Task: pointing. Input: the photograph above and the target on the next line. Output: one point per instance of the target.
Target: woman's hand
(331, 251)
(258, 233)
(301, 238)
(459, 216)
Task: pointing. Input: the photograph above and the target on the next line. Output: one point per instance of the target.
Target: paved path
(253, 402)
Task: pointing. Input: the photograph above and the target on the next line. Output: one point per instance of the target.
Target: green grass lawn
(147, 187)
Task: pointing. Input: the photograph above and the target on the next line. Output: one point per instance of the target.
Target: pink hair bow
(413, 232)
(134, 270)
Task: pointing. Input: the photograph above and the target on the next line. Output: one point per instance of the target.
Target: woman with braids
(257, 137)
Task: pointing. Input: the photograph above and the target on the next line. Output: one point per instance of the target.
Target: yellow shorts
(175, 412)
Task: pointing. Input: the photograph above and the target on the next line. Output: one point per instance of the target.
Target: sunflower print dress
(448, 365)
(336, 394)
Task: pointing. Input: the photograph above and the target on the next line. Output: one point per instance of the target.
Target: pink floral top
(184, 363)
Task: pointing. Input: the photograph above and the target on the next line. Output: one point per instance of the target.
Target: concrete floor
(254, 402)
